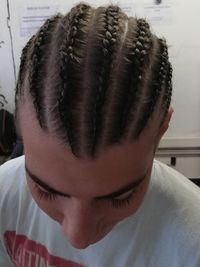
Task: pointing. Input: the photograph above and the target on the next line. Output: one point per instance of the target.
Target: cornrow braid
(155, 87)
(37, 62)
(138, 56)
(23, 60)
(141, 54)
(69, 58)
(111, 18)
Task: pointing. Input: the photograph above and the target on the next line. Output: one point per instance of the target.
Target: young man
(92, 103)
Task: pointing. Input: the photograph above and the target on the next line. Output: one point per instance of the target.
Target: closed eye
(118, 202)
(123, 200)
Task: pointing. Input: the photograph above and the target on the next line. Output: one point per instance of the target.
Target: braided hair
(95, 76)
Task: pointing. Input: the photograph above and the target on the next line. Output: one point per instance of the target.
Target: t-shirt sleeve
(9, 172)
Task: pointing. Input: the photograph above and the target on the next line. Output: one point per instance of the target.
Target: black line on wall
(11, 40)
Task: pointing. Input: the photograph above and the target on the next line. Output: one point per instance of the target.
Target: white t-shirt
(164, 232)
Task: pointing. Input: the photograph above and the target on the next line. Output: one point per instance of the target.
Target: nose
(80, 223)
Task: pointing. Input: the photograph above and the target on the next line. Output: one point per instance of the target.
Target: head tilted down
(92, 100)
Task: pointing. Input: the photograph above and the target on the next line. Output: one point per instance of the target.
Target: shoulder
(174, 189)
(12, 175)
(11, 166)
(179, 201)
(14, 194)
(170, 216)
(173, 182)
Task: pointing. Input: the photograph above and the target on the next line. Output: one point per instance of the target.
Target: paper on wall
(161, 14)
(128, 8)
(32, 17)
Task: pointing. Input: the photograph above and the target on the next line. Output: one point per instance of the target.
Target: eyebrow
(131, 186)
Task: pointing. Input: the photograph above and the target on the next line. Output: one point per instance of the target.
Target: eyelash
(116, 203)
(44, 194)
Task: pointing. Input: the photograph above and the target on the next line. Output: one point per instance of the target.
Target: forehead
(113, 170)
(52, 161)
(61, 170)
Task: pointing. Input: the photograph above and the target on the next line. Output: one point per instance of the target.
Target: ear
(165, 124)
